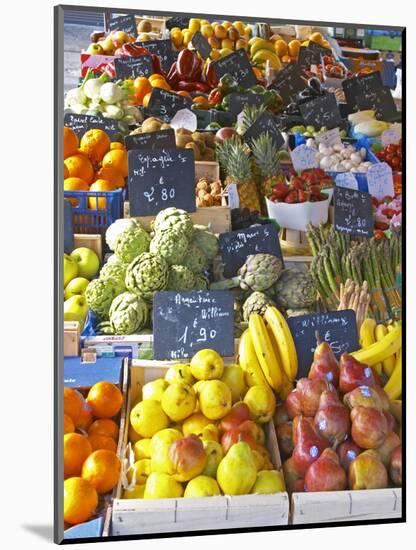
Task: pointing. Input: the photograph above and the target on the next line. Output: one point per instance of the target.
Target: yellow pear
(234, 378)
(178, 401)
(134, 492)
(207, 364)
(154, 389)
(198, 386)
(269, 481)
(194, 424)
(141, 449)
(148, 417)
(159, 449)
(261, 402)
(159, 485)
(133, 435)
(139, 472)
(215, 399)
(258, 459)
(180, 373)
(210, 433)
(237, 471)
(215, 454)
(202, 486)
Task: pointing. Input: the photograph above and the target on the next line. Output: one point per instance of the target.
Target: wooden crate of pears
(131, 516)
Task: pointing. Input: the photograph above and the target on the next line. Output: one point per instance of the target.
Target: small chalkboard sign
(289, 83)
(126, 23)
(201, 44)
(308, 56)
(132, 67)
(321, 49)
(353, 212)
(360, 85)
(160, 179)
(224, 118)
(186, 322)
(237, 64)
(163, 49)
(163, 139)
(165, 105)
(181, 22)
(82, 123)
(381, 101)
(338, 328)
(235, 246)
(238, 101)
(321, 111)
(265, 123)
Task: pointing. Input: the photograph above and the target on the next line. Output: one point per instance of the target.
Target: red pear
(332, 419)
(281, 415)
(309, 392)
(369, 427)
(324, 366)
(246, 431)
(238, 414)
(309, 446)
(294, 426)
(366, 396)
(292, 404)
(385, 450)
(391, 422)
(285, 438)
(367, 472)
(326, 473)
(299, 486)
(352, 374)
(188, 457)
(396, 466)
(291, 475)
(347, 451)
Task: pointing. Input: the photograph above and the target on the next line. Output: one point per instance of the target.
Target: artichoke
(146, 275)
(206, 241)
(171, 245)
(114, 231)
(113, 259)
(201, 282)
(128, 313)
(174, 218)
(180, 278)
(104, 328)
(257, 302)
(99, 295)
(260, 271)
(115, 271)
(195, 259)
(295, 289)
(131, 243)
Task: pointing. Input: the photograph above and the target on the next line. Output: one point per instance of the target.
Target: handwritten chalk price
(380, 180)
(303, 157)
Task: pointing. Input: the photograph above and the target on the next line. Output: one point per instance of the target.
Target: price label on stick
(126, 23)
(132, 67)
(353, 212)
(390, 136)
(289, 82)
(201, 44)
(160, 179)
(380, 180)
(82, 123)
(163, 139)
(165, 105)
(184, 119)
(356, 86)
(321, 111)
(237, 64)
(181, 22)
(303, 158)
(266, 122)
(238, 101)
(330, 138)
(162, 48)
(346, 180)
(380, 101)
(308, 57)
(338, 328)
(186, 322)
(235, 246)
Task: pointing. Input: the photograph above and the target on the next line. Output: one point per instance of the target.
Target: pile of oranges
(91, 465)
(93, 164)
(143, 87)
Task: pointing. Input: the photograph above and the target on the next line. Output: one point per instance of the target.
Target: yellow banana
(267, 55)
(248, 361)
(379, 351)
(287, 385)
(388, 364)
(368, 337)
(268, 361)
(261, 44)
(393, 388)
(284, 340)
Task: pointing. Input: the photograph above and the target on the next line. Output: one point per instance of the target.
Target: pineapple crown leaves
(234, 157)
(250, 114)
(265, 154)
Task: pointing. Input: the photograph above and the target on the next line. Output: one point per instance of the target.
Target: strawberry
(303, 196)
(280, 190)
(292, 197)
(374, 201)
(381, 226)
(298, 183)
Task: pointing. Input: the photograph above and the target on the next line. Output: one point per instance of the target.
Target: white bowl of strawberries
(304, 199)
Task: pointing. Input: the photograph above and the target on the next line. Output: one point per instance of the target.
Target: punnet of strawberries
(308, 186)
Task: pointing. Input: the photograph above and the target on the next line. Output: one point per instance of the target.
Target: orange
(281, 47)
(70, 142)
(286, 59)
(75, 184)
(102, 470)
(95, 202)
(99, 441)
(142, 86)
(146, 99)
(258, 72)
(116, 145)
(220, 31)
(95, 143)
(316, 37)
(112, 175)
(85, 418)
(76, 449)
(105, 399)
(69, 425)
(66, 172)
(79, 166)
(184, 93)
(73, 403)
(104, 426)
(160, 84)
(201, 101)
(293, 48)
(80, 500)
(117, 159)
(156, 76)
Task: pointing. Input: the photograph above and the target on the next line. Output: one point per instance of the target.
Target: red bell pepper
(215, 97)
(211, 77)
(188, 65)
(187, 86)
(131, 50)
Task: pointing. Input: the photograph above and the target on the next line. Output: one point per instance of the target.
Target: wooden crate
(346, 506)
(71, 338)
(94, 242)
(139, 516)
(207, 169)
(158, 23)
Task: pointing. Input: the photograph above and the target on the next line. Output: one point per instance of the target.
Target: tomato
(396, 162)
(382, 156)
(391, 149)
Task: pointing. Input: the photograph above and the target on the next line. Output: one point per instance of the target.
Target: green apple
(71, 316)
(88, 262)
(70, 269)
(95, 49)
(76, 304)
(75, 287)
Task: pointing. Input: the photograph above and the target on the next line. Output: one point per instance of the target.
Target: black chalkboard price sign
(289, 82)
(180, 22)
(361, 85)
(381, 101)
(163, 139)
(321, 49)
(236, 64)
(186, 322)
(238, 101)
(160, 179)
(338, 328)
(132, 67)
(126, 23)
(321, 111)
(265, 123)
(165, 105)
(162, 48)
(308, 57)
(235, 246)
(353, 212)
(82, 123)
(201, 44)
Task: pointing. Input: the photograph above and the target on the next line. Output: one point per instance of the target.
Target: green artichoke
(295, 289)
(128, 313)
(114, 231)
(104, 328)
(260, 271)
(174, 218)
(146, 275)
(113, 259)
(131, 243)
(180, 278)
(206, 241)
(171, 245)
(257, 302)
(115, 271)
(99, 295)
(195, 259)
(201, 282)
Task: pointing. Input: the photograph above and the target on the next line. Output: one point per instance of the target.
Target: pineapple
(266, 157)
(234, 157)
(250, 114)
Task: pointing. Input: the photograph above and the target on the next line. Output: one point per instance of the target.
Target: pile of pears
(198, 432)
(338, 429)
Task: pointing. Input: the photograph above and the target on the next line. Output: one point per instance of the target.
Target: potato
(198, 136)
(209, 139)
(182, 141)
(209, 154)
(165, 126)
(209, 200)
(201, 194)
(183, 132)
(151, 124)
(202, 184)
(195, 149)
(201, 145)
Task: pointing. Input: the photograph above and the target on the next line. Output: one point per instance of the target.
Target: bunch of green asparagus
(338, 257)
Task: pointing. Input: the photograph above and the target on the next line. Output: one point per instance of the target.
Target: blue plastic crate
(360, 177)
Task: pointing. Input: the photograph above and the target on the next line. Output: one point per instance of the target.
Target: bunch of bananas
(267, 352)
(381, 348)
